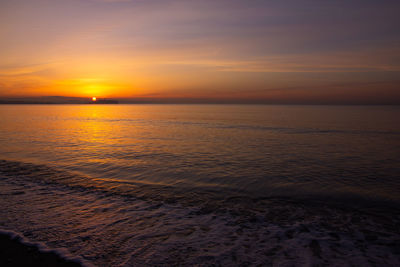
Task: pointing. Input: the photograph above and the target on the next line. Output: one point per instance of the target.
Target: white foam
(107, 229)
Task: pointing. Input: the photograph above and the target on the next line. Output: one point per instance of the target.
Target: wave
(216, 125)
(186, 194)
(132, 224)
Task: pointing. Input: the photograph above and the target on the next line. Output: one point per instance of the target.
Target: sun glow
(94, 98)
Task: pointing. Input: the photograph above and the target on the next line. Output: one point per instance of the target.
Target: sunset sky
(282, 51)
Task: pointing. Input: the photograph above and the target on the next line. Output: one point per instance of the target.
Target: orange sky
(299, 50)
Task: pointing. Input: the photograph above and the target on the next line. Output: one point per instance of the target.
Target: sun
(94, 98)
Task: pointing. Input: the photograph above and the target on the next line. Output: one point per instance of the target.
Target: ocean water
(204, 184)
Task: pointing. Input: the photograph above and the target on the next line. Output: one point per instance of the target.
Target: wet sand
(14, 253)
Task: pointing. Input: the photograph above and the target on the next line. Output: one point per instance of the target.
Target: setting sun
(183, 132)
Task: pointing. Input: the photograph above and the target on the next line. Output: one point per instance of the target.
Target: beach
(199, 133)
(141, 226)
(15, 252)
(169, 185)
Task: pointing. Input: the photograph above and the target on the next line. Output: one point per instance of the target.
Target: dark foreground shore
(111, 223)
(14, 253)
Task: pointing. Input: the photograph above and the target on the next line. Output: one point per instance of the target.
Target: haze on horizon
(305, 51)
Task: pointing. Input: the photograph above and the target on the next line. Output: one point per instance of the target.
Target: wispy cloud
(25, 69)
(191, 47)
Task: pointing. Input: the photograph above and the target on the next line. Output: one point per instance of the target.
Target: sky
(300, 51)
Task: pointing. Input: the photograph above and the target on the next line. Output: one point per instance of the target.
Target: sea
(203, 185)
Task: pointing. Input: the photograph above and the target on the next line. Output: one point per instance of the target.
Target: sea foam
(121, 224)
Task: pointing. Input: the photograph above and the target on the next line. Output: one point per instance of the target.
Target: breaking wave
(106, 222)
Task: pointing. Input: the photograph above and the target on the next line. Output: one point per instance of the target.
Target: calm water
(183, 185)
(259, 149)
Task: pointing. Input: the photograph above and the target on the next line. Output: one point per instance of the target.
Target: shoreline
(115, 224)
(15, 250)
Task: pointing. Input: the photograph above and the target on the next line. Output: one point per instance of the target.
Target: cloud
(25, 70)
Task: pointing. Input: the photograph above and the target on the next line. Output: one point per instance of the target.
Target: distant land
(177, 100)
(56, 100)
